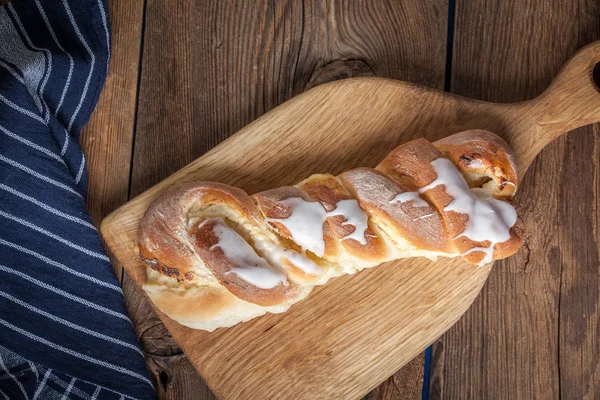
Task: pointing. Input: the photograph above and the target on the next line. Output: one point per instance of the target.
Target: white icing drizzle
(301, 261)
(250, 266)
(408, 197)
(489, 219)
(275, 253)
(355, 216)
(305, 224)
(476, 163)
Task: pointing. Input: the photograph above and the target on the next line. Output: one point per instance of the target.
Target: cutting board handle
(571, 101)
(573, 98)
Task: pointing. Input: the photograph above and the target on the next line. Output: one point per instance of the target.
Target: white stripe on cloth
(71, 62)
(53, 236)
(38, 175)
(22, 110)
(92, 62)
(14, 378)
(80, 173)
(64, 293)
(12, 71)
(34, 369)
(32, 145)
(96, 393)
(75, 353)
(59, 265)
(3, 377)
(71, 325)
(46, 53)
(105, 23)
(64, 93)
(47, 207)
(65, 144)
(4, 394)
(68, 391)
(42, 384)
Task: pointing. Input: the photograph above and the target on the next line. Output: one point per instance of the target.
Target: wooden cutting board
(354, 332)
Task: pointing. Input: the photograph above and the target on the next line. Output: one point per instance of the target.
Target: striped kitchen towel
(64, 331)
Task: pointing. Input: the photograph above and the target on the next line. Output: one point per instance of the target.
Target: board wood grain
(533, 331)
(333, 345)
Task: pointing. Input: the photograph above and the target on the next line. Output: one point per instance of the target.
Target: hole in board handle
(596, 76)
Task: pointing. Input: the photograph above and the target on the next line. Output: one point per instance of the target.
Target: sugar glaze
(355, 216)
(249, 266)
(489, 219)
(307, 218)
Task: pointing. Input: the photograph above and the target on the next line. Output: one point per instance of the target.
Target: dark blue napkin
(64, 330)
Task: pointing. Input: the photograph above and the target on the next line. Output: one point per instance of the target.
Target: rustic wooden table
(187, 74)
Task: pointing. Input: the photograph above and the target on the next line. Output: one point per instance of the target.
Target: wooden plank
(533, 332)
(211, 67)
(579, 219)
(108, 138)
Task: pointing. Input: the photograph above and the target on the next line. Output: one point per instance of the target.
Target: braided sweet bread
(217, 256)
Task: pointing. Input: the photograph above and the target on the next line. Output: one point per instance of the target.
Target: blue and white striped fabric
(64, 331)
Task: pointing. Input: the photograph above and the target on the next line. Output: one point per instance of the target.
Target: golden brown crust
(164, 228)
(478, 153)
(324, 188)
(410, 165)
(420, 226)
(329, 191)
